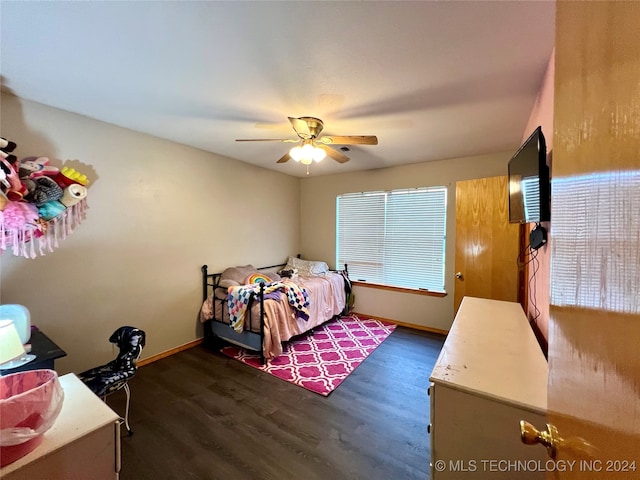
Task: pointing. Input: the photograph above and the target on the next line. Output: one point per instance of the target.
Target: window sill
(414, 291)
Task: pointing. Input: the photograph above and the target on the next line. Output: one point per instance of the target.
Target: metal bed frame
(216, 331)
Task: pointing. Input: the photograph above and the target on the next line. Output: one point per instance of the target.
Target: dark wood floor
(201, 415)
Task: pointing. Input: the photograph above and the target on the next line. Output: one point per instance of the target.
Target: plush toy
(6, 145)
(293, 273)
(18, 215)
(8, 157)
(46, 190)
(35, 196)
(3, 200)
(3, 180)
(69, 176)
(73, 194)
(34, 167)
(12, 186)
(51, 209)
(20, 223)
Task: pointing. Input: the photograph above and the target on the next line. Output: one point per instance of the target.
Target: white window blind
(597, 232)
(531, 194)
(393, 238)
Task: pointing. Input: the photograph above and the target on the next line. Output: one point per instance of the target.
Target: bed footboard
(216, 329)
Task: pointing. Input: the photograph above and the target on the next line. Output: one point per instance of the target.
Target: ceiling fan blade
(337, 156)
(286, 140)
(301, 127)
(349, 140)
(285, 158)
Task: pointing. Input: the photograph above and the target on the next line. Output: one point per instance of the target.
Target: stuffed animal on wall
(6, 145)
(51, 209)
(34, 167)
(3, 200)
(18, 215)
(39, 204)
(69, 176)
(46, 190)
(11, 184)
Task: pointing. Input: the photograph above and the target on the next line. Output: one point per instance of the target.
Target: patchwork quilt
(238, 298)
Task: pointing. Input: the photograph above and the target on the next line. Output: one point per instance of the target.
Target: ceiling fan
(314, 147)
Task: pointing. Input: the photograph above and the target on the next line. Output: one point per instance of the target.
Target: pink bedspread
(327, 298)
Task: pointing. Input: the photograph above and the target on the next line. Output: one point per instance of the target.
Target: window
(596, 228)
(394, 238)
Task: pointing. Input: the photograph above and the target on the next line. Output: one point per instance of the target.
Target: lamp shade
(21, 318)
(10, 344)
(296, 153)
(318, 154)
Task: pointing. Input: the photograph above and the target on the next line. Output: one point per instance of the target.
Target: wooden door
(594, 336)
(487, 244)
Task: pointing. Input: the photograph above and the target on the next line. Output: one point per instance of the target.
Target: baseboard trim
(404, 324)
(187, 346)
(168, 353)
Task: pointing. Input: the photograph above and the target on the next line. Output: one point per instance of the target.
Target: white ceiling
(432, 79)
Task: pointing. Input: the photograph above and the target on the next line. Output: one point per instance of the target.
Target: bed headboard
(212, 280)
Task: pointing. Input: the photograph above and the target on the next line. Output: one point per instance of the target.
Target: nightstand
(45, 350)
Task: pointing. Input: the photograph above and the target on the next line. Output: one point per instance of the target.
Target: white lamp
(12, 354)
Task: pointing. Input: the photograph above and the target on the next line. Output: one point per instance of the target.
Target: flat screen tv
(529, 182)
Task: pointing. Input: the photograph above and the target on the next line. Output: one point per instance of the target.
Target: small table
(45, 350)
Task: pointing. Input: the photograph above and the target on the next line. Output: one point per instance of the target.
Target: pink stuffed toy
(19, 224)
(17, 215)
(34, 167)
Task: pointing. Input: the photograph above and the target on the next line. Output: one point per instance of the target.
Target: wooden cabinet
(83, 443)
(491, 374)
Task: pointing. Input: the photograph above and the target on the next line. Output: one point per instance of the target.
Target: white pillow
(307, 268)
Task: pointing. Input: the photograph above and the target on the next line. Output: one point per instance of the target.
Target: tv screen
(529, 182)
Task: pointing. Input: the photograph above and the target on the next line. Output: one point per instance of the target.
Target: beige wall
(317, 234)
(157, 212)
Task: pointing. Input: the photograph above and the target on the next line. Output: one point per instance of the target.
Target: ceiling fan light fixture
(318, 154)
(307, 154)
(296, 153)
(313, 147)
(307, 151)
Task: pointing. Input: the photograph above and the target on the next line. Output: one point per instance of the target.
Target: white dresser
(83, 443)
(491, 374)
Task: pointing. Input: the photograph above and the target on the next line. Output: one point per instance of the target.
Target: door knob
(459, 275)
(530, 435)
(551, 439)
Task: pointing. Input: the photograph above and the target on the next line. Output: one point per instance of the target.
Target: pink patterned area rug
(320, 360)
